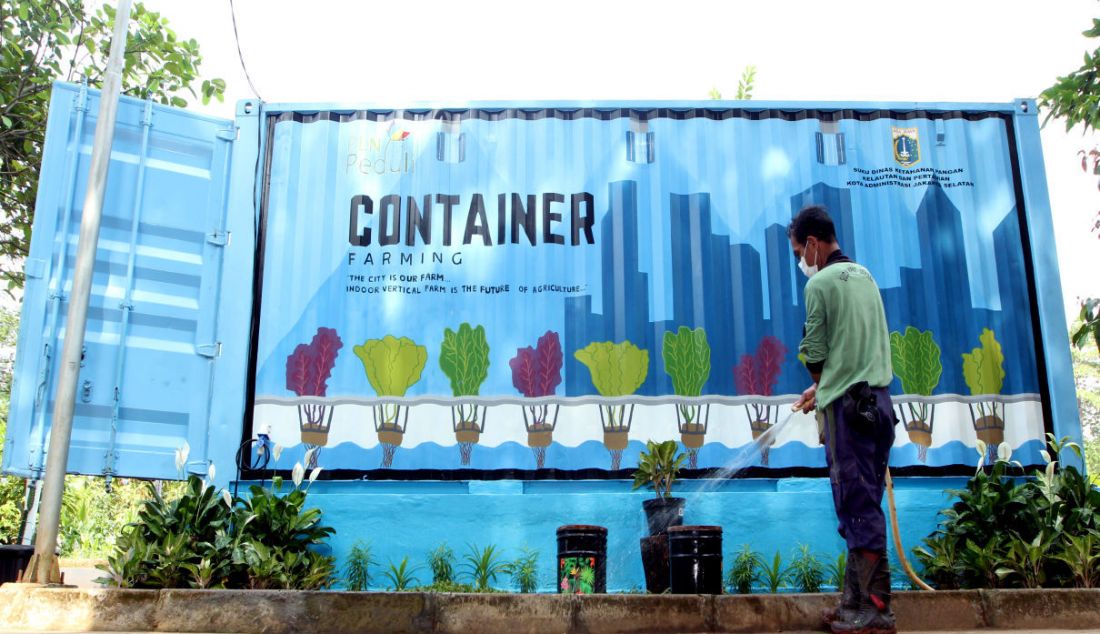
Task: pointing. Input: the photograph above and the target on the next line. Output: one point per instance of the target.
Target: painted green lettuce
(392, 365)
(687, 360)
(464, 358)
(983, 367)
(618, 369)
(916, 359)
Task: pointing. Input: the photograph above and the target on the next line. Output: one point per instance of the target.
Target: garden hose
(897, 536)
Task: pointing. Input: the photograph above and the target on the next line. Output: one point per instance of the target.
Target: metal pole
(43, 567)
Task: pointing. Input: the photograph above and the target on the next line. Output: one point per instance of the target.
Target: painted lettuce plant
(393, 366)
(983, 369)
(757, 374)
(536, 372)
(617, 369)
(916, 360)
(687, 360)
(308, 369)
(464, 358)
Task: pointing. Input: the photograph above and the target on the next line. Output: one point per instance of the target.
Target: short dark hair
(814, 221)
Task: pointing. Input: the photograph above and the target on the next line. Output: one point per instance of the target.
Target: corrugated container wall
(503, 302)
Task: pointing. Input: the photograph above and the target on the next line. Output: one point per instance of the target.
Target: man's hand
(808, 402)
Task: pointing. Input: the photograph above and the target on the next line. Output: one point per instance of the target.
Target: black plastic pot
(661, 513)
(655, 563)
(579, 547)
(13, 560)
(695, 559)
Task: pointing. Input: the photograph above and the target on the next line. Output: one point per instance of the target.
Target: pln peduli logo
(906, 146)
(381, 152)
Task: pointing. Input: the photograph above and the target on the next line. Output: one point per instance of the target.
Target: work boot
(873, 616)
(849, 598)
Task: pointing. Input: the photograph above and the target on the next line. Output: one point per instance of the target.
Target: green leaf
(983, 367)
(464, 358)
(916, 360)
(392, 365)
(687, 360)
(617, 369)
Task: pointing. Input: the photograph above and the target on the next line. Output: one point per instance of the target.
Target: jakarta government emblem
(906, 146)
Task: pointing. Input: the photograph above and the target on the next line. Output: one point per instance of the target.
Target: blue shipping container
(489, 309)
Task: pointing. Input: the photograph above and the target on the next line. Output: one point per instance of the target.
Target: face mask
(806, 268)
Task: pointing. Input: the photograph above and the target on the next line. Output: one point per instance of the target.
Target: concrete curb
(43, 609)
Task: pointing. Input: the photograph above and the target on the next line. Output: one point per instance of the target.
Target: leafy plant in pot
(658, 466)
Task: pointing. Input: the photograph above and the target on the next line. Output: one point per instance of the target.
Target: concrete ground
(991, 631)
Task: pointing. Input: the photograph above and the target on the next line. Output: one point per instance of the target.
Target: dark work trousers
(857, 472)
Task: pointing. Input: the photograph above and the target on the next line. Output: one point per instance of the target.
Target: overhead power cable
(240, 55)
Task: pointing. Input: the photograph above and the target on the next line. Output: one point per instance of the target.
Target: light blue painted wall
(401, 519)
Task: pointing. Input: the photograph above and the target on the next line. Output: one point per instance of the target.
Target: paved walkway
(790, 632)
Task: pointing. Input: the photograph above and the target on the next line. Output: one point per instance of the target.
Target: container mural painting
(651, 271)
(377, 283)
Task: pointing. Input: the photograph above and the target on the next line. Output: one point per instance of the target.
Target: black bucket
(655, 563)
(695, 559)
(13, 561)
(661, 513)
(582, 559)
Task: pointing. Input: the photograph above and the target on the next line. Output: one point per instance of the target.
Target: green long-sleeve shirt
(845, 328)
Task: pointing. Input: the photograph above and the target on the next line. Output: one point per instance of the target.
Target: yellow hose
(897, 536)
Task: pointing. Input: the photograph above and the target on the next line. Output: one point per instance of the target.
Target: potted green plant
(658, 466)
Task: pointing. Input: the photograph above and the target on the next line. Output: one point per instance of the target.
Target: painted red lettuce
(744, 376)
(549, 370)
(309, 367)
(769, 362)
(298, 367)
(758, 373)
(524, 366)
(537, 371)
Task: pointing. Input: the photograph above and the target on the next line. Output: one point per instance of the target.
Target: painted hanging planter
(392, 366)
(686, 355)
(536, 372)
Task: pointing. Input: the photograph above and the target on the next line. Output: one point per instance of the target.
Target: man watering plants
(846, 348)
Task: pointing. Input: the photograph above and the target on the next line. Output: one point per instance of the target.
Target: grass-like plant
(745, 570)
(806, 571)
(483, 565)
(774, 575)
(441, 561)
(357, 567)
(524, 570)
(836, 570)
(400, 575)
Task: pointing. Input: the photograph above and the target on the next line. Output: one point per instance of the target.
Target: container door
(155, 329)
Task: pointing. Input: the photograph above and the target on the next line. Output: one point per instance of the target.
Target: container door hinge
(229, 134)
(197, 467)
(34, 268)
(218, 238)
(209, 350)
